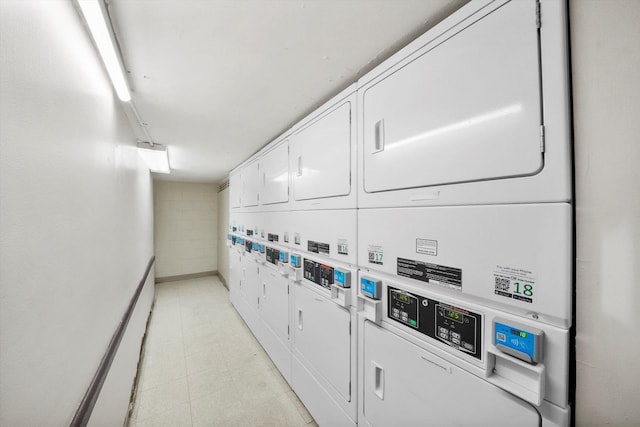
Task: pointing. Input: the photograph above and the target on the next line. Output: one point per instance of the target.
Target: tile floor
(203, 367)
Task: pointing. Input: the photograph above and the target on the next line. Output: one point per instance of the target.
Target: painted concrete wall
(223, 229)
(605, 38)
(186, 219)
(75, 223)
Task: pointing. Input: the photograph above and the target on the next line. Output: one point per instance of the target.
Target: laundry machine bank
(458, 246)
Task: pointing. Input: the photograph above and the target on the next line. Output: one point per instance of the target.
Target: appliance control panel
(248, 245)
(319, 274)
(455, 326)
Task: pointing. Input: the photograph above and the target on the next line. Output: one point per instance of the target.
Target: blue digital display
(254, 246)
(339, 277)
(516, 339)
(228, 236)
(283, 257)
(240, 240)
(260, 248)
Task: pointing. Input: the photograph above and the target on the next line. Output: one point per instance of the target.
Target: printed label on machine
(427, 247)
(442, 275)
(376, 254)
(318, 247)
(343, 247)
(514, 283)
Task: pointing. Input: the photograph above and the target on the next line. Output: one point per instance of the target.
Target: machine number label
(514, 283)
(435, 274)
(343, 247)
(376, 255)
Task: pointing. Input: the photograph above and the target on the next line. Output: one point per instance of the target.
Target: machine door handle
(264, 289)
(378, 380)
(299, 165)
(379, 137)
(299, 318)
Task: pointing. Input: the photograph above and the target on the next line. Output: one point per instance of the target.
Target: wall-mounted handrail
(82, 415)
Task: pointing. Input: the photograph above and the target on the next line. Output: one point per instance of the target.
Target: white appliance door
(405, 385)
(251, 282)
(275, 303)
(466, 110)
(235, 189)
(322, 336)
(250, 184)
(322, 156)
(274, 167)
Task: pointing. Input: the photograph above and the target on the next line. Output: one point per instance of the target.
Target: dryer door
(274, 167)
(274, 303)
(322, 156)
(468, 109)
(405, 385)
(250, 184)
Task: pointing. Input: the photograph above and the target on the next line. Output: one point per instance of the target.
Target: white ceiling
(216, 80)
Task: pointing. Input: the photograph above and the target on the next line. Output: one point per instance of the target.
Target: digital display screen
(454, 315)
(401, 297)
(521, 334)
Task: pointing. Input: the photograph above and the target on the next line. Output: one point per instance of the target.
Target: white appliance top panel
(322, 156)
(517, 258)
(468, 109)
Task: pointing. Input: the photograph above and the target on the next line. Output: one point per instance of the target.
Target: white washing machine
(324, 365)
(427, 358)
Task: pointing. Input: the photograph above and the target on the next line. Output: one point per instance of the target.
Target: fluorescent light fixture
(155, 156)
(93, 13)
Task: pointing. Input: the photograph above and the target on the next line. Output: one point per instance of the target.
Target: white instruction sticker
(514, 283)
(427, 247)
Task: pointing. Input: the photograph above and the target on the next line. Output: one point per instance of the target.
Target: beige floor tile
(277, 411)
(163, 398)
(203, 367)
(302, 410)
(180, 416)
(218, 409)
(205, 361)
(209, 382)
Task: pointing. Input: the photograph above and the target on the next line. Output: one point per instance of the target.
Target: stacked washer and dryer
(405, 253)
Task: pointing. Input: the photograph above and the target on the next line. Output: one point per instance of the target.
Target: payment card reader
(295, 264)
(370, 288)
(342, 278)
(520, 341)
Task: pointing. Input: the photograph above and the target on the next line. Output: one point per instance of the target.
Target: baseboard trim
(223, 280)
(186, 276)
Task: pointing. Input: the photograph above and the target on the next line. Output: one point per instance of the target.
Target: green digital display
(402, 297)
(452, 314)
(521, 334)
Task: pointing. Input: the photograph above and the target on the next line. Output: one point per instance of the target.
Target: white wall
(223, 229)
(75, 221)
(605, 38)
(186, 219)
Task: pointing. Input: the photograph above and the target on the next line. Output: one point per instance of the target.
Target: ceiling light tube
(155, 156)
(94, 15)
